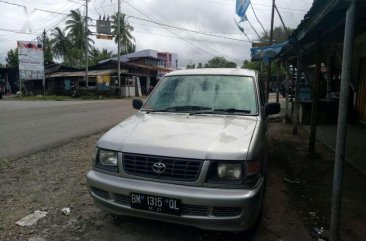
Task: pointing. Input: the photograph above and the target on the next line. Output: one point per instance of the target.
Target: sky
(216, 17)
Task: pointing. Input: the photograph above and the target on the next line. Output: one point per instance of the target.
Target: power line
(297, 21)
(286, 8)
(253, 29)
(194, 39)
(258, 20)
(16, 31)
(161, 24)
(173, 36)
(172, 31)
(188, 30)
(15, 4)
(283, 23)
(260, 4)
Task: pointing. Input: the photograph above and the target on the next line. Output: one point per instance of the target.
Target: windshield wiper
(215, 111)
(156, 110)
(233, 110)
(187, 108)
(180, 108)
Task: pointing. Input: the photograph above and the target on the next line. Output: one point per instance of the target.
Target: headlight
(229, 171)
(245, 173)
(108, 160)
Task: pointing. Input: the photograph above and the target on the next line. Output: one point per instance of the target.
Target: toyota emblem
(159, 167)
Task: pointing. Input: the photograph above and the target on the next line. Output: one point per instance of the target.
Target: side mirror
(137, 104)
(272, 108)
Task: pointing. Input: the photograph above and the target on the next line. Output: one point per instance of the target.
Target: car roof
(214, 71)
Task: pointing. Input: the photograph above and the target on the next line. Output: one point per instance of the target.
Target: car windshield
(211, 93)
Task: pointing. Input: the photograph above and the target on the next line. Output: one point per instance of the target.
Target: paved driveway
(30, 126)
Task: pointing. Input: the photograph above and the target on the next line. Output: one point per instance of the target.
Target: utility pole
(270, 43)
(344, 99)
(119, 48)
(86, 44)
(44, 63)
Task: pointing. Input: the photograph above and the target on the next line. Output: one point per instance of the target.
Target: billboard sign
(31, 62)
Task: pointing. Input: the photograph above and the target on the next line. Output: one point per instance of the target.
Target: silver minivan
(194, 153)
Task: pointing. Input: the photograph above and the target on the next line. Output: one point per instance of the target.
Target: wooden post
(287, 85)
(278, 82)
(270, 43)
(315, 95)
(297, 92)
(329, 76)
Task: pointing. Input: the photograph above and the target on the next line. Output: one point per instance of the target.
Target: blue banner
(266, 53)
(241, 7)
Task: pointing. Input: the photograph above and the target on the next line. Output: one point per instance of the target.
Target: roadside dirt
(54, 179)
(310, 179)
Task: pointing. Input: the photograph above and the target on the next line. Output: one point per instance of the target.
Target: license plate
(155, 204)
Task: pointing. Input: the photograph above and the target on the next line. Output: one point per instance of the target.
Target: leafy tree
(97, 55)
(47, 48)
(130, 49)
(75, 58)
(252, 65)
(125, 39)
(191, 66)
(1, 65)
(217, 62)
(257, 65)
(76, 27)
(230, 65)
(12, 58)
(220, 62)
(60, 43)
(280, 34)
(199, 66)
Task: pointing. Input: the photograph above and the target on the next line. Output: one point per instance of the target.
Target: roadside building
(139, 71)
(9, 80)
(316, 49)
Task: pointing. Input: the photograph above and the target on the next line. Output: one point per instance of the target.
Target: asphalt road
(27, 127)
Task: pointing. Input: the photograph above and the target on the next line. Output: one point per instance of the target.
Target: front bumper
(206, 208)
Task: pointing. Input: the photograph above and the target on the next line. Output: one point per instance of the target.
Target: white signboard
(31, 63)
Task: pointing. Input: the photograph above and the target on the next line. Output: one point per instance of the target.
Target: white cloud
(213, 16)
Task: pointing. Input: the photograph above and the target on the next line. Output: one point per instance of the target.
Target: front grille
(226, 211)
(100, 193)
(176, 169)
(194, 210)
(122, 199)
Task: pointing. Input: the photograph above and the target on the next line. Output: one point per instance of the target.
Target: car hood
(214, 137)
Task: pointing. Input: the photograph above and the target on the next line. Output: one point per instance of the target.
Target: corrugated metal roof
(82, 73)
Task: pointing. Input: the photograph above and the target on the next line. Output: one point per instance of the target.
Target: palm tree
(97, 55)
(76, 27)
(60, 43)
(125, 39)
